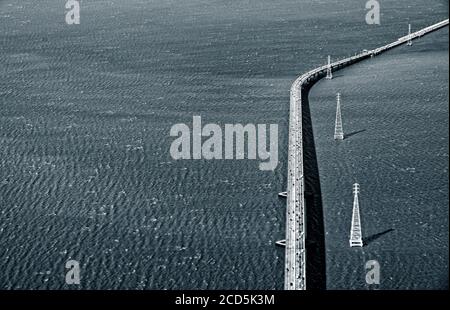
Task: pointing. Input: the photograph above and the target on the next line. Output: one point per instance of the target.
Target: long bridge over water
(295, 257)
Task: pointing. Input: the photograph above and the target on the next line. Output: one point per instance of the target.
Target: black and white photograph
(218, 146)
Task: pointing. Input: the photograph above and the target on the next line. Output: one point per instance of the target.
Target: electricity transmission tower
(355, 232)
(338, 131)
(329, 72)
(409, 35)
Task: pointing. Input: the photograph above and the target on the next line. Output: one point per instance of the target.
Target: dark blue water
(85, 114)
(395, 115)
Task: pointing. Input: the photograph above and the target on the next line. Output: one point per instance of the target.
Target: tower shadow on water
(315, 232)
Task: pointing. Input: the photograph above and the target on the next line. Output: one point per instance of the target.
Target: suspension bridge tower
(338, 131)
(355, 232)
(329, 71)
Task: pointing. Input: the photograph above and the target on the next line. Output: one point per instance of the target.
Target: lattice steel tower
(355, 232)
(409, 35)
(329, 71)
(338, 131)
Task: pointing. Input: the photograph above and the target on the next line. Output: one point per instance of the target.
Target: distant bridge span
(295, 257)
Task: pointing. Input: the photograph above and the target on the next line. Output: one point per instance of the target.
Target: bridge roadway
(295, 256)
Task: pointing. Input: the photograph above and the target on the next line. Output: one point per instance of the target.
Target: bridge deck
(295, 256)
